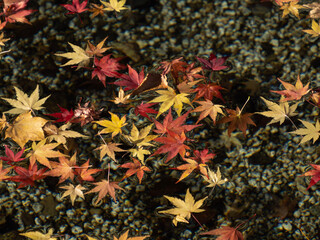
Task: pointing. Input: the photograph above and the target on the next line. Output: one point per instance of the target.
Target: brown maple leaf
(206, 108)
(293, 92)
(238, 120)
(73, 192)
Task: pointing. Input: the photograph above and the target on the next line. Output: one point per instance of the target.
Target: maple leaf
(124, 236)
(315, 173)
(141, 138)
(114, 5)
(131, 81)
(315, 29)
(311, 131)
(238, 120)
(213, 63)
(167, 65)
(25, 128)
(61, 134)
(15, 12)
(279, 112)
(96, 50)
(96, 10)
(105, 187)
(293, 92)
(208, 91)
(106, 67)
(78, 56)
(3, 172)
(36, 235)
(214, 179)
(291, 7)
(11, 157)
(122, 98)
(23, 103)
(3, 40)
(208, 108)
(199, 161)
(114, 126)
(135, 167)
(173, 144)
(175, 126)
(63, 169)
(226, 233)
(73, 192)
(42, 151)
(84, 174)
(139, 152)
(169, 98)
(185, 208)
(28, 176)
(109, 149)
(76, 7)
(144, 108)
(190, 73)
(315, 9)
(63, 116)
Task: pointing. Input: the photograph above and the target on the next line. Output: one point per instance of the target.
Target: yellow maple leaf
(125, 237)
(139, 152)
(311, 131)
(315, 29)
(291, 7)
(73, 192)
(36, 235)
(114, 5)
(279, 112)
(169, 98)
(23, 103)
(142, 137)
(42, 151)
(184, 209)
(25, 128)
(114, 126)
(78, 56)
(214, 178)
(3, 122)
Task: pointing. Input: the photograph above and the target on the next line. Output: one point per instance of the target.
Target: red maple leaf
(135, 167)
(144, 108)
(131, 81)
(202, 156)
(191, 73)
(63, 116)
(173, 144)
(175, 126)
(226, 233)
(315, 175)
(213, 63)
(106, 67)
(84, 174)
(11, 157)
(76, 7)
(28, 176)
(15, 12)
(167, 65)
(208, 91)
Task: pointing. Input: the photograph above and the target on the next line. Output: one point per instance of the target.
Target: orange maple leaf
(64, 168)
(135, 167)
(293, 92)
(226, 233)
